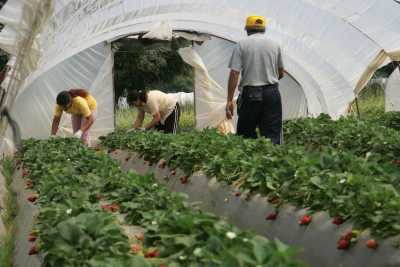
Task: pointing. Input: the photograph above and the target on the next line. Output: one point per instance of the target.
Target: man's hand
(78, 134)
(229, 109)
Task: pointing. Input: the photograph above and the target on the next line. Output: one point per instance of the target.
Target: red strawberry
(343, 244)
(238, 194)
(372, 244)
(32, 198)
(348, 235)
(184, 179)
(32, 238)
(272, 216)
(305, 220)
(173, 172)
(136, 248)
(152, 253)
(337, 220)
(33, 250)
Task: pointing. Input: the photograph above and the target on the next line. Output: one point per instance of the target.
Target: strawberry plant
(362, 190)
(81, 193)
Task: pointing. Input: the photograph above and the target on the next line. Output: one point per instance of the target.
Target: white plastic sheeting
(392, 91)
(331, 47)
(90, 69)
(210, 96)
(216, 54)
(184, 99)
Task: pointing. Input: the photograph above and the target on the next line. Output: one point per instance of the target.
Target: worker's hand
(78, 134)
(229, 110)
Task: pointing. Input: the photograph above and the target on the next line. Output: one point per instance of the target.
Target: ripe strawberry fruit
(136, 248)
(348, 236)
(272, 216)
(305, 220)
(372, 244)
(343, 244)
(238, 194)
(32, 238)
(32, 198)
(33, 250)
(184, 179)
(152, 253)
(337, 220)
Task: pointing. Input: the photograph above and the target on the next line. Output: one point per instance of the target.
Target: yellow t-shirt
(80, 106)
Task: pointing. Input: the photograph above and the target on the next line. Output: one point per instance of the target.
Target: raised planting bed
(354, 194)
(91, 213)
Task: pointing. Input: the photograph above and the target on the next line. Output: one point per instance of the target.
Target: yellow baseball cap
(256, 23)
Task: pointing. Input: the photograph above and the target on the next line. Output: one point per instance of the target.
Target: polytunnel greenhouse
(328, 196)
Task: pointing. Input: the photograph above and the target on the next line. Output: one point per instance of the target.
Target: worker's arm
(87, 123)
(156, 119)
(232, 84)
(55, 124)
(139, 120)
(281, 72)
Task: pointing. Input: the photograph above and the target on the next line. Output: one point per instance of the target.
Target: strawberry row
(373, 138)
(349, 188)
(88, 204)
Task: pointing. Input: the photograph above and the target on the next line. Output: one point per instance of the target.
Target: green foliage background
(147, 64)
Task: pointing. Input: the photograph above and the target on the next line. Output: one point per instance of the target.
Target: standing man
(259, 61)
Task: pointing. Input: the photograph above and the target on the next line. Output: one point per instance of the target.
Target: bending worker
(259, 61)
(82, 107)
(161, 106)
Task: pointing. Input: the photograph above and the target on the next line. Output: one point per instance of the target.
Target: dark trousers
(171, 124)
(260, 106)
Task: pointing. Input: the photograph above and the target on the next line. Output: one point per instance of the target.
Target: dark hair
(137, 95)
(253, 31)
(64, 98)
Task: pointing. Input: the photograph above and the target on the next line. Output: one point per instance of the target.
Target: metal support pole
(358, 109)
